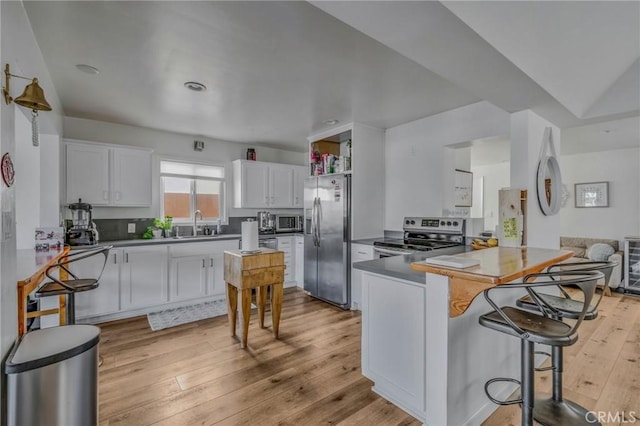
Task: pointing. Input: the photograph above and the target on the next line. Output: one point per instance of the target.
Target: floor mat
(186, 314)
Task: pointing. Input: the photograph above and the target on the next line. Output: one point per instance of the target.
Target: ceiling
(275, 71)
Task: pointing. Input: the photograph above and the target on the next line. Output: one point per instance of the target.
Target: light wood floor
(197, 374)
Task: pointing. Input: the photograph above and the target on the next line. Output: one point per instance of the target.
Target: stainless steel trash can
(52, 377)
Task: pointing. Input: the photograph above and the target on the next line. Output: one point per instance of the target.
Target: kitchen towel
(249, 236)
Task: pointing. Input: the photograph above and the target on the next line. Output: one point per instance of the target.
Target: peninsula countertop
(498, 265)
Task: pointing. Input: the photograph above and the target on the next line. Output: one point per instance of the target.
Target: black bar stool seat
(540, 329)
(73, 286)
(566, 308)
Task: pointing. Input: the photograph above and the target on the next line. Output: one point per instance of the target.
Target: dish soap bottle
(218, 226)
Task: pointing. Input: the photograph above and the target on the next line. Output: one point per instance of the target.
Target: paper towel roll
(249, 236)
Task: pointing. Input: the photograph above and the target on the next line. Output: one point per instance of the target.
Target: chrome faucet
(195, 221)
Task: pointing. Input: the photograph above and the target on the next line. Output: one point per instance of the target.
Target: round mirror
(549, 185)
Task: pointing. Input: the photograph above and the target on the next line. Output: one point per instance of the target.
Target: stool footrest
(496, 401)
(543, 368)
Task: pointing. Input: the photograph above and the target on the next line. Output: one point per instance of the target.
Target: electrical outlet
(131, 228)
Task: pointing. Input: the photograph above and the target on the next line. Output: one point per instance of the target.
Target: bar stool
(70, 287)
(535, 327)
(553, 409)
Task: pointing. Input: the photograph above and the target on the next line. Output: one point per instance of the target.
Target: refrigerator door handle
(318, 219)
(313, 222)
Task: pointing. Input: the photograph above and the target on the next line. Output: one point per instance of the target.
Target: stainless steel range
(423, 234)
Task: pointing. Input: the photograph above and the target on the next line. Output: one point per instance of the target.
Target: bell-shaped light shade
(33, 97)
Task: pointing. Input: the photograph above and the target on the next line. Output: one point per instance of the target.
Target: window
(187, 187)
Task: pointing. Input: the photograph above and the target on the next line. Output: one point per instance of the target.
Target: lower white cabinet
(106, 298)
(144, 277)
(188, 277)
(299, 260)
(393, 338)
(285, 244)
(197, 269)
(359, 253)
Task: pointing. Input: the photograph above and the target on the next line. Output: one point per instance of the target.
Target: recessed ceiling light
(330, 122)
(195, 86)
(88, 69)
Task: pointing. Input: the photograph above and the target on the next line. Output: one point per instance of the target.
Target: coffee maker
(266, 223)
(82, 231)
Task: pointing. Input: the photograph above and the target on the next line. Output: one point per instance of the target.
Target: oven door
(379, 252)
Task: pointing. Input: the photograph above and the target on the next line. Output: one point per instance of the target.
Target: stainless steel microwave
(288, 223)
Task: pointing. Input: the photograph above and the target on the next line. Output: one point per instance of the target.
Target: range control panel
(434, 224)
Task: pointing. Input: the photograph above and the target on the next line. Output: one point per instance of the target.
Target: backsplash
(116, 229)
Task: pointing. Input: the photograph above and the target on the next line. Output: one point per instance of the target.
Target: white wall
(27, 160)
(414, 154)
(621, 168)
(49, 180)
(495, 177)
(527, 131)
(19, 49)
(37, 188)
(176, 146)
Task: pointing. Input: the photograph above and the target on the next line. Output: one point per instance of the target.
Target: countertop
(180, 240)
(30, 262)
(400, 266)
(367, 241)
(499, 265)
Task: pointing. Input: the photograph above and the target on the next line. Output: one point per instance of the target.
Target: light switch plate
(131, 228)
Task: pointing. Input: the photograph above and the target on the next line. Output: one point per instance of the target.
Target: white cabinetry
(359, 253)
(107, 175)
(300, 173)
(280, 186)
(285, 244)
(197, 269)
(131, 177)
(393, 338)
(144, 277)
(299, 260)
(260, 185)
(88, 174)
(188, 277)
(106, 298)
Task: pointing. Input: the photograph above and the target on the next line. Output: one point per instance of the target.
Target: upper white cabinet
(131, 177)
(107, 175)
(280, 186)
(88, 174)
(259, 185)
(300, 173)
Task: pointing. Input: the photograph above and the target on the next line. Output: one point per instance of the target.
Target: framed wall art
(592, 194)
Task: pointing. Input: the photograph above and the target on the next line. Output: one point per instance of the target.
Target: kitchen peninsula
(421, 341)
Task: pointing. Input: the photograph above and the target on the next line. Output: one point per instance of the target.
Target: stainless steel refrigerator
(327, 236)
